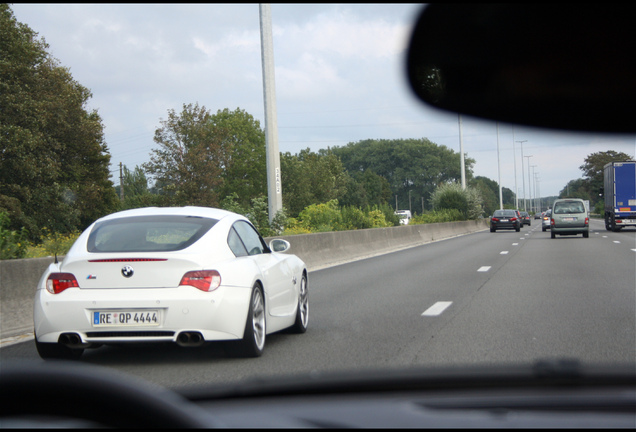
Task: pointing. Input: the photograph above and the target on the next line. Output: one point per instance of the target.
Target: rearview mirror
(565, 66)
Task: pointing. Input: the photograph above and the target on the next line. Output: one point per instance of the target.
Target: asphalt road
(484, 298)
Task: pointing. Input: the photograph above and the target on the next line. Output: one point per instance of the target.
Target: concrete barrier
(18, 278)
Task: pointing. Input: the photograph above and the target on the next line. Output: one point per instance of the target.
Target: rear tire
(552, 234)
(586, 234)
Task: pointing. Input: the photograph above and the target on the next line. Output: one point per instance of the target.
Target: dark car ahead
(505, 219)
(525, 218)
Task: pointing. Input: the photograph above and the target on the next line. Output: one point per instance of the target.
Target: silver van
(569, 217)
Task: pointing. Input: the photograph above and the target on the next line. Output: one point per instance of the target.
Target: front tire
(302, 311)
(253, 342)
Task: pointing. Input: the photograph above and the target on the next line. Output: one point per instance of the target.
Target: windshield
(174, 115)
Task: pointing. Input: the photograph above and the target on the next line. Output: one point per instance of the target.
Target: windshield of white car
(147, 233)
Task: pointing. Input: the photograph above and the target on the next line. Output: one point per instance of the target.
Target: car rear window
(505, 213)
(569, 207)
(162, 233)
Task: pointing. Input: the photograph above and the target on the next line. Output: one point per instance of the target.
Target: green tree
(246, 170)
(53, 158)
(311, 178)
(203, 158)
(136, 191)
(367, 189)
(578, 188)
(593, 171)
(415, 165)
(489, 191)
(192, 155)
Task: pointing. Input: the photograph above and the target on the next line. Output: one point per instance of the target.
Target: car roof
(207, 212)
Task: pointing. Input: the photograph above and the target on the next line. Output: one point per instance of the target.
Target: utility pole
(522, 173)
(499, 171)
(529, 186)
(534, 186)
(461, 152)
(514, 158)
(274, 186)
(121, 182)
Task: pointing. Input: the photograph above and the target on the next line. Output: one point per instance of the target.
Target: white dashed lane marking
(437, 308)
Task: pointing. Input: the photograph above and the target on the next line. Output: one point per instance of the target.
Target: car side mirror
(279, 245)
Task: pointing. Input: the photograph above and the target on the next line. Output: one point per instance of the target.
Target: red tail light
(587, 221)
(513, 219)
(495, 219)
(205, 280)
(58, 282)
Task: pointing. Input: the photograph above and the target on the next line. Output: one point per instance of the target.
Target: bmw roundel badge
(127, 271)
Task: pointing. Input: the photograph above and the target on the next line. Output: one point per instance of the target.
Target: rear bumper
(569, 230)
(217, 315)
(504, 226)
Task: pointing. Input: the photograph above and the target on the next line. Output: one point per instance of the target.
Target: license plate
(125, 318)
(569, 219)
(504, 220)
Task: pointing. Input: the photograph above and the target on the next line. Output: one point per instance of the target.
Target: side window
(235, 244)
(251, 239)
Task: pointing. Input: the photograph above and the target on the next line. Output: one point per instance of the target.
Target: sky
(339, 74)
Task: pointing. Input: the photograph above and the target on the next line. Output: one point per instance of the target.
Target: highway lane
(481, 298)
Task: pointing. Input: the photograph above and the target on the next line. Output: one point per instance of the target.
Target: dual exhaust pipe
(185, 339)
(72, 340)
(190, 339)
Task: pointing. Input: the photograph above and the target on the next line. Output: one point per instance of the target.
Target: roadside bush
(52, 244)
(451, 196)
(322, 217)
(437, 216)
(13, 244)
(353, 218)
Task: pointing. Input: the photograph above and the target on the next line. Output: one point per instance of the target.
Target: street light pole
(522, 172)
(499, 171)
(461, 152)
(529, 193)
(534, 188)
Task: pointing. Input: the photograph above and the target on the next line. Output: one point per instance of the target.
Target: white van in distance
(405, 216)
